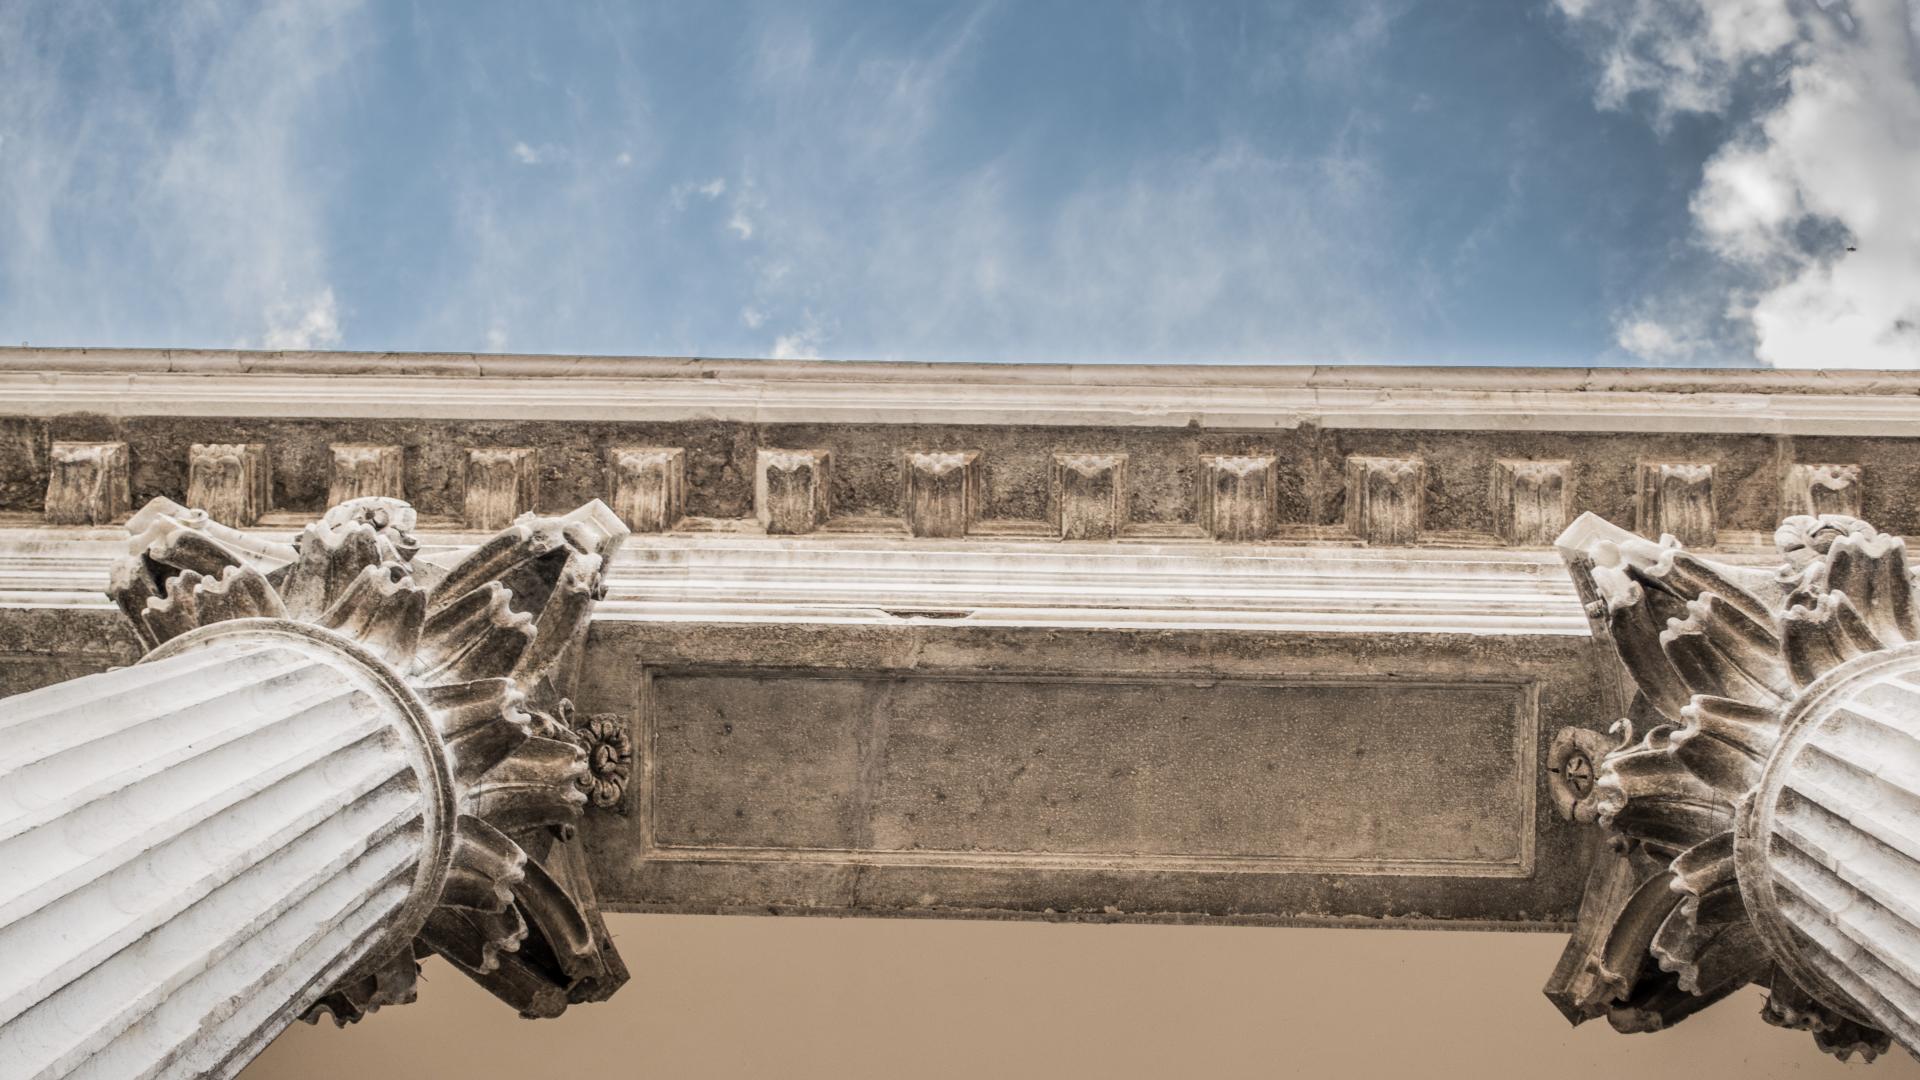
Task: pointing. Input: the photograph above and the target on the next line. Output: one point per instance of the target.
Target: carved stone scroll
(941, 492)
(1820, 489)
(88, 485)
(502, 483)
(647, 486)
(792, 490)
(1760, 805)
(1531, 500)
(1676, 499)
(362, 471)
(1087, 496)
(1386, 499)
(1238, 496)
(232, 482)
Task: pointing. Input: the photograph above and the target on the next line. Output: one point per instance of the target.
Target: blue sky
(1497, 181)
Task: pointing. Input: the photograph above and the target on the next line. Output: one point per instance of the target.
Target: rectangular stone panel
(1228, 774)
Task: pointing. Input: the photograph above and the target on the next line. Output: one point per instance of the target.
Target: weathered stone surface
(88, 484)
(1161, 774)
(942, 491)
(1531, 501)
(793, 490)
(1677, 499)
(1140, 736)
(501, 484)
(365, 470)
(1237, 496)
(232, 482)
(1087, 496)
(1386, 499)
(1820, 489)
(647, 486)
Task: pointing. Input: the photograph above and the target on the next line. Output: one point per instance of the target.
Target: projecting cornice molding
(1191, 586)
(52, 382)
(1303, 457)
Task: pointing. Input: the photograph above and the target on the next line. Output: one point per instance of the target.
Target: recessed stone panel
(1341, 777)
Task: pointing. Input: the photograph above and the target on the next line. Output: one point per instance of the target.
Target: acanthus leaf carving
(1720, 655)
(490, 647)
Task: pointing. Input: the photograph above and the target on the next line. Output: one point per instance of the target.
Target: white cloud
(710, 190)
(310, 324)
(1684, 54)
(799, 345)
(1812, 207)
(525, 155)
(752, 317)
(497, 336)
(623, 159)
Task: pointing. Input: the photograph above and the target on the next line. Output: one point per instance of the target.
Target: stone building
(324, 663)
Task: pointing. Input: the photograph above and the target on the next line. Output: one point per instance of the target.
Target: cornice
(50, 382)
(1187, 586)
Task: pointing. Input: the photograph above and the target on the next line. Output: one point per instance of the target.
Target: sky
(1555, 182)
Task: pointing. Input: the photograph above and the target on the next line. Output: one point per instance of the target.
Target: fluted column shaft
(193, 849)
(1828, 846)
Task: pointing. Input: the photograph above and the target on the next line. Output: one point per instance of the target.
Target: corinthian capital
(1760, 805)
(489, 648)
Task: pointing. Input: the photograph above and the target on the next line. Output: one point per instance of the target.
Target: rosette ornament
(489, 646)
(1759, 808)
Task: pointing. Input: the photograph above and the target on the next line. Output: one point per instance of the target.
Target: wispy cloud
(312, 324)
(202, 172)
(1809, 207)
(1252, 254)
(709, 190)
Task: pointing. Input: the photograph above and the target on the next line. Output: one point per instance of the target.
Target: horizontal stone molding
(1192, 585)
(51, 382)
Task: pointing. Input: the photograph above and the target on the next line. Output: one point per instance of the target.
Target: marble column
(1760, 803)
(199, 846)
(321, 770)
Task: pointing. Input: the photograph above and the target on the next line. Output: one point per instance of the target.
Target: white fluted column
(195, 848)
(1828, 845)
